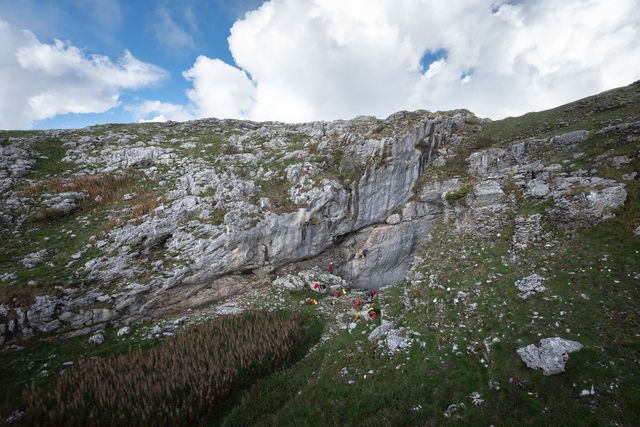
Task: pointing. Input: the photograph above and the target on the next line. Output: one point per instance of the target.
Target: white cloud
(326, 59)
(42, 80)
(156, 111)
(219, 89)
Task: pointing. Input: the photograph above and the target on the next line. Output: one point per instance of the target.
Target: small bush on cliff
(179, 382)
(460, 193)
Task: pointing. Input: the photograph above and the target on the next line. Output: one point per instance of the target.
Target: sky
(73, 63)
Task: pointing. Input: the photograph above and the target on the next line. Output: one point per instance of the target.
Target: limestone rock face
(383, 253)
(586, 201)
(41, 314)
(332, 211)
(550, 356)
(537, 188)
(214, 208)
(494, 161)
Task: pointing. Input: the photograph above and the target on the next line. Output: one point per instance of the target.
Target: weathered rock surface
(35, 258)
(550, 356)
(64, 203)
(227, 205)
(527, 232)
(530, 285)
(581, 202)
(15, 162)
(97, 338)
(308, 279)
(380, 331)
(125, 330)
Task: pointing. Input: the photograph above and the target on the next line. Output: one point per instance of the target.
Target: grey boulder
(34, 259)
(65, 203)
(530, 285)
(97, 338)
(550, 356)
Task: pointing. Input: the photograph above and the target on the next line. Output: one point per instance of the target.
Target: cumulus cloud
(157, 111)
(219, 89)
(327, 59)
(41, 80)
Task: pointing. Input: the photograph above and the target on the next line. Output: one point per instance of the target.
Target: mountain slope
(444, 213)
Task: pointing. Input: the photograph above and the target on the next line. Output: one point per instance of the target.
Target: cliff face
(115, 223)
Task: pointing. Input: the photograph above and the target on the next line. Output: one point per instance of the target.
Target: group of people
(364, 310)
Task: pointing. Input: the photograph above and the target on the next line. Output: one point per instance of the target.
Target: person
(330, 268)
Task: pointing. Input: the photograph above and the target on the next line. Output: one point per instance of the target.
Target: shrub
(483, 141)
(179, 382)
(460, 193)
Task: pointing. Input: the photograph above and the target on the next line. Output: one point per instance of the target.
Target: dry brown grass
(179, 382)
(100, 188)
(146, 203)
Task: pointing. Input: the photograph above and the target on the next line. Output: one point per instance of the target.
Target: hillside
(478, 237)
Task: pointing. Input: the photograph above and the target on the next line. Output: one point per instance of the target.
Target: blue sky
(72, 63)
(110, 27)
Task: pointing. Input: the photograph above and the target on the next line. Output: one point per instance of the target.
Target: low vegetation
(592, 113)
(460, 193)
(49, 161)
(178, 382)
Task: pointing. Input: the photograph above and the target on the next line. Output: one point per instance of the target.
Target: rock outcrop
(530, 285)
(550, 356)
(211, 208)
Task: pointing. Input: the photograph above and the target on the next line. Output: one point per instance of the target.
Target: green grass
(592, 113)
(55, 237)
(460, 193)
(50, 153)
(599, 262)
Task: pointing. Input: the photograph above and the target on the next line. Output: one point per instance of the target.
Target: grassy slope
(598, 263)
(314, 392)
(592, 113)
